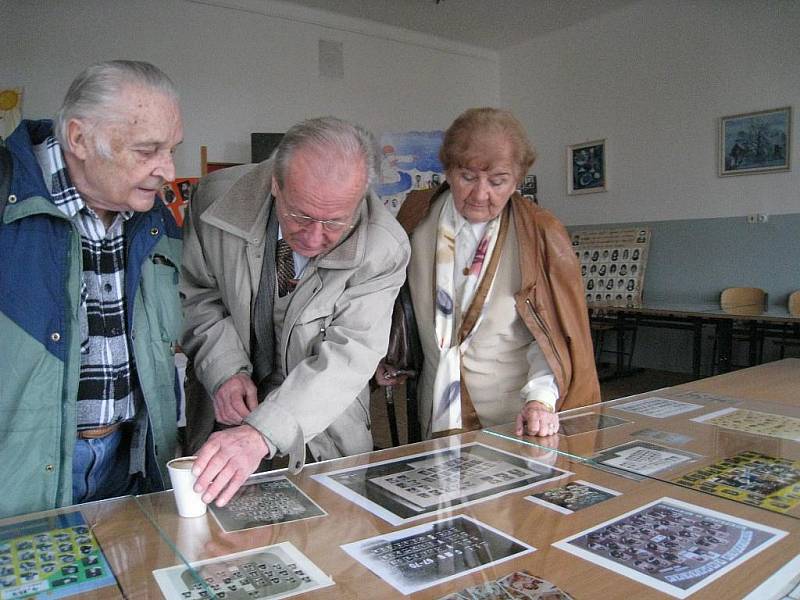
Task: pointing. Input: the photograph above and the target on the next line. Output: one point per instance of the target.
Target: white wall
(652, 79)
(241, 71)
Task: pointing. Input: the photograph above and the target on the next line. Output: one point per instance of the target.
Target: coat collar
(418, 204)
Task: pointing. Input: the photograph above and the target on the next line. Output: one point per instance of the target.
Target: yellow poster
(10, 110)
(750, 478)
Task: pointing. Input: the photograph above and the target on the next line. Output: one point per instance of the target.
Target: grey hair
(93, 94)
(349, 140)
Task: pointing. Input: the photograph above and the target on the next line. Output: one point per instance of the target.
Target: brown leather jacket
(551, 300)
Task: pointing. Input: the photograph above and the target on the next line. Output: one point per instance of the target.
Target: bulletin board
(613, 263)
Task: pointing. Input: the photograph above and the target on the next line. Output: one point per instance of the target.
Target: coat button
(12, 199)
(49, 468)
(154, 231)
(55, 336)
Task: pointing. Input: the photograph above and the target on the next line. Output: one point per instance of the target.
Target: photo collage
(612, 264)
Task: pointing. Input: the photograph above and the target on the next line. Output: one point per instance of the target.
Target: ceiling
(492, 24)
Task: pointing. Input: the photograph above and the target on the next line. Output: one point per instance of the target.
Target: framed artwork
(528, 188)
(586, 167)
(756, 142)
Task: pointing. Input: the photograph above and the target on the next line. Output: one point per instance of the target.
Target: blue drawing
(409, 161)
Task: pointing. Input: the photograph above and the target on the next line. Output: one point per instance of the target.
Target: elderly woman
(496, 291)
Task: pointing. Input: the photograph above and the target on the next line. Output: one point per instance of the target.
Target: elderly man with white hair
(89, 307)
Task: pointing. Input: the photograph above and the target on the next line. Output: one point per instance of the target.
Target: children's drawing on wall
(177, 194)
(409, 161)
(10, 110)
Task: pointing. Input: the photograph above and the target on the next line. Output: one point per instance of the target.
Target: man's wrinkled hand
(226, 460)
(235, 399)
(536, 419)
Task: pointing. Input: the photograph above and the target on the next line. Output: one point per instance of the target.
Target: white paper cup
(190, 503)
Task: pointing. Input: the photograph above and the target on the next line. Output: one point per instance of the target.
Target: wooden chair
(745, 301)
(794, 304)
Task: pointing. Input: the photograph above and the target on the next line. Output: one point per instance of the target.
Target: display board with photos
(613, 263)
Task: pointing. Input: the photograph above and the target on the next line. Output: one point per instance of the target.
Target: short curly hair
(476, 122)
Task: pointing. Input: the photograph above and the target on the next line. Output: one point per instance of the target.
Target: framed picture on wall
(586, 167)
(756, 142)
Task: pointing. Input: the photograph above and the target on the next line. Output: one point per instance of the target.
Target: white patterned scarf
(447, 383)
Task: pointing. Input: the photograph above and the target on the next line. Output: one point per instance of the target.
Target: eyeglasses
(306, 221)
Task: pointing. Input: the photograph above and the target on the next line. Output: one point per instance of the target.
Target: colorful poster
(412, 487)
(752, 421)
(574, 496)
(51, 557)
(409, 161)
(265, 500)
(420, 557)
(177, 195)
(672, 546)
(272, 572)
(10, 111)
(751, 478)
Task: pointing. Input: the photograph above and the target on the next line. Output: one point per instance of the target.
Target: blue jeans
(100, 468)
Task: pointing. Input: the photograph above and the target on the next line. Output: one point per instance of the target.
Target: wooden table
(145, 533)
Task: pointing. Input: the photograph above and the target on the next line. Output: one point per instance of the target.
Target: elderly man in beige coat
(290, 271)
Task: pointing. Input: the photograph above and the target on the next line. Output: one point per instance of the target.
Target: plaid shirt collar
(56, 177)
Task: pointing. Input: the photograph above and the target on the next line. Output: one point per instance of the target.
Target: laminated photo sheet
(577, 424)
(783, 584)
(265, 500)
(643, 458)
(702, 397)
(756, 422)
(657, 407)
(426, 555)
(272, 572)
(751, 478)
(519, 585)
(573, 496)
(665, 437)
(672, 546)
(51, 557)
(411, 487)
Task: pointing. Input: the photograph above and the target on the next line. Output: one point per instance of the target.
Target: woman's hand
(536, 419)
